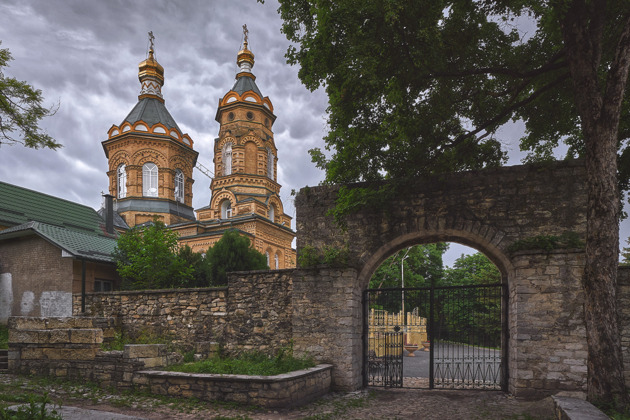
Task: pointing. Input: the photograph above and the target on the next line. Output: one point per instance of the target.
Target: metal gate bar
(464, 325)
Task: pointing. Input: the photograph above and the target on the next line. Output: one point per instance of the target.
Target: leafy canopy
(232, 253)
(422, 87)
(147, 258)
(21, 110)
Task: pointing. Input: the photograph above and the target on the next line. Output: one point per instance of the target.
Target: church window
(272, 213)
(267, 255)
(150, 180)
(227, 159)
(250, 115)
(122, 181)
(226, 209)
(276, 261)
(269, 163)
(179, 186)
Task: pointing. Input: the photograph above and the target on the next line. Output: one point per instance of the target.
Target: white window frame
(272, 213)
(276, 261)
(179, 186)
(150, 180)
(270, 162)
(121, 175)
(227, 159)
(226, 209)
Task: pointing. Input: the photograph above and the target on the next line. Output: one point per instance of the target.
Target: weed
(34, 409)
(249, 363)
(4, 337)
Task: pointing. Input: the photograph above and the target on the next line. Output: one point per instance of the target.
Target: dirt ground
(366, 404)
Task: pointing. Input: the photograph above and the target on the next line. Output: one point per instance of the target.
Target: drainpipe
(109, 213)
(83, 286)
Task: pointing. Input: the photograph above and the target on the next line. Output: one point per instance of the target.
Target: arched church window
(226, 209)
(272, 213)
(122, 181)
(269, 163)
(179, 186)
(227, 159)
(276, 261)
(267, 256)
(150, 180)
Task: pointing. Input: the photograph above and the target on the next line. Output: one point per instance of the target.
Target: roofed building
(49, 249)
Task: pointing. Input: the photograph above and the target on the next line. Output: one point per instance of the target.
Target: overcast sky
(84, 56)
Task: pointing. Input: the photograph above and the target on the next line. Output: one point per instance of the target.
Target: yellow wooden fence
(414, 329)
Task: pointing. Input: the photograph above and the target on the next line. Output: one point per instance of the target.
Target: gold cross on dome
(151, 38)
(245, 32)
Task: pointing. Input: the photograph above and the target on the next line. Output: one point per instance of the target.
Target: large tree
(233, 252)
(21, 110)
(423, 87)
(147, 258)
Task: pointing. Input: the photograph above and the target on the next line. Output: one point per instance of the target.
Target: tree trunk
(599, 107)
(605, 362)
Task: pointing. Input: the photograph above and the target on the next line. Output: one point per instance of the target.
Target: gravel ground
(366, 404)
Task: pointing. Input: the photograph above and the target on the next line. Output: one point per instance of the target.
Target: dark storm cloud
(85, 54)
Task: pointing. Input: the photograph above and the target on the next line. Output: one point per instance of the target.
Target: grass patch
(250, 363)
(122, 338)
(4, 337)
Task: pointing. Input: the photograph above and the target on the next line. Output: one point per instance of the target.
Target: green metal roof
(77, 244)
(20, 205)
(75, 228)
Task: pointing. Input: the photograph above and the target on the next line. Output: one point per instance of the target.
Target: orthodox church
(151, 165)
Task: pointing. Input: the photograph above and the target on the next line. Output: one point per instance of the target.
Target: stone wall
(286, 390)
(259, 311)
(623, 308)
(547, 347)
(327, 319)
(486, 209)
(71, 348)
(186, 315)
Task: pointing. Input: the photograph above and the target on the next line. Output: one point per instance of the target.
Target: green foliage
(422, 267)
(34, 409)
(625, 254)
(330, 256)
(567, 240)
(250, 363)
(199, 264)
(472, 269)
(232, 253)
(4, 337)
(21, 110)
(147, 258)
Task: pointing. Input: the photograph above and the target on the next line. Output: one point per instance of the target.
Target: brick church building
(151, 165)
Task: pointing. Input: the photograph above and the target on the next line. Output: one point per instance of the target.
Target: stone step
(4, 361)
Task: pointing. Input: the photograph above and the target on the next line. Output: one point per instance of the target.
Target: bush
(232, 253)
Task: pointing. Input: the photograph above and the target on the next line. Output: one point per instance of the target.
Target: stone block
(86, 336)
(133, 351)
(26, 323)
(151, 362)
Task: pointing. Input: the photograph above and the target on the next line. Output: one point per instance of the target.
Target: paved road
(453, 361)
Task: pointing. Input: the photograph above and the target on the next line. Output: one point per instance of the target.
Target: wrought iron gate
(454, 337)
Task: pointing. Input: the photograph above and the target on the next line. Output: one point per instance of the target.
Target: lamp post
(402, 278)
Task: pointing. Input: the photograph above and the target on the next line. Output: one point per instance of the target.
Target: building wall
(40, 278)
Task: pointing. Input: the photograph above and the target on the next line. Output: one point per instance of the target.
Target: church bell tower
(150, 160)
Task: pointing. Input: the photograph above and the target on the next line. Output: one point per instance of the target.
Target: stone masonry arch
(490, 210)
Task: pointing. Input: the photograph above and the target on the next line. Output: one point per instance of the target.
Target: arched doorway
(435, 326)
